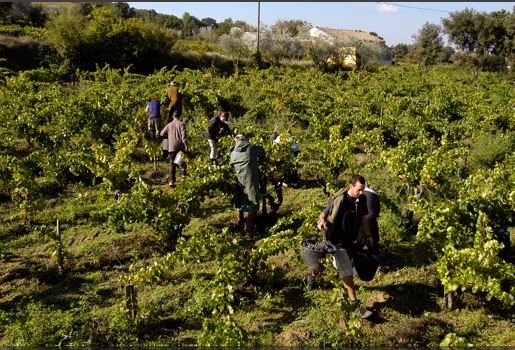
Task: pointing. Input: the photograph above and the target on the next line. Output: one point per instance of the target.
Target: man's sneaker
(361, 310)
(171, 184)
(367, 314)
(308, 281)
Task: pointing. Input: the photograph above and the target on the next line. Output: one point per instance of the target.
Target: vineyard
(137, 262)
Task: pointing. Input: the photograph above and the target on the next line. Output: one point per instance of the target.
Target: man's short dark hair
(357, 178)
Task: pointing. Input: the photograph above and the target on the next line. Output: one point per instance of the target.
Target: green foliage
(400, 51)
(26, 49)
(234, 44)
(409, 130)
(22, 14)
(485, 35)
(278, 44)
(110, 39)
(200, 47)
(392, 226)
(332, 322)
(38, 325)
(122, 329)
(489, 149)
(451, 339)
(64, 31)
(18, 30)
(464, 229)
(428, 44)
(169, 21)
(479, 268)
(221, 332)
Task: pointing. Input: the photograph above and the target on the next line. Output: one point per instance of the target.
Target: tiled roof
(346, 33)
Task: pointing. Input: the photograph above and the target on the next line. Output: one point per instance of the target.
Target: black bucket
(365, 265)
(313, 252)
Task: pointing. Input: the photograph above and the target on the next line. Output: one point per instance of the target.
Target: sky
(396, 22)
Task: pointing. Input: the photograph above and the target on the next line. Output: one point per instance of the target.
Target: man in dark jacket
(175, 132)
(218, 126)
(244, 159)
(373, 209)
(340, 223)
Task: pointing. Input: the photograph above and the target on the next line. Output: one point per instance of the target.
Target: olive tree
(428, 44)
(234, 44)
(277, 46)
(489, 37)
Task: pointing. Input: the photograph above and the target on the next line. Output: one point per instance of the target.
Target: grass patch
(273, 309)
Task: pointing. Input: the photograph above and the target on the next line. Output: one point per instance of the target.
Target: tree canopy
(483, 34)
(428, 44)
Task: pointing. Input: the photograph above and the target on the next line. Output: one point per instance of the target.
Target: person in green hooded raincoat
(244, 159)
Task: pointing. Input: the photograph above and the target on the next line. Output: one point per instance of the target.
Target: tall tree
(225, 26)
(446, 54)
(509, 40)
(489, 37)
(463, 28)
(208, 22)
(479, 32)
(169, 21)
(187, 24)
(234, 44)
(400, 51)
(37, 16)
(64, 32)
(428, 44)
(244, 26)
(292, 28)
(190, 24)
(104, 37)
(15, 12)
(494, 32)
(277, 46)
(125, 10)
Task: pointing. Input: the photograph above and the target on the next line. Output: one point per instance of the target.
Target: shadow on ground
(412, 299)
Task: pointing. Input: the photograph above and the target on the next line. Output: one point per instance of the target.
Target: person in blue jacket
(153, 109)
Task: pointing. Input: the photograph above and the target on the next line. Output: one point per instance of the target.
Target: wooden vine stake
(264, 195)
(59, 250)
(449, 299)
(131, 303)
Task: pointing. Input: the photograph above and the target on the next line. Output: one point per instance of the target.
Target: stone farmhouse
(348, 54)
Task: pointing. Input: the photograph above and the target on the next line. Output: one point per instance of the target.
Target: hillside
(436, 144)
